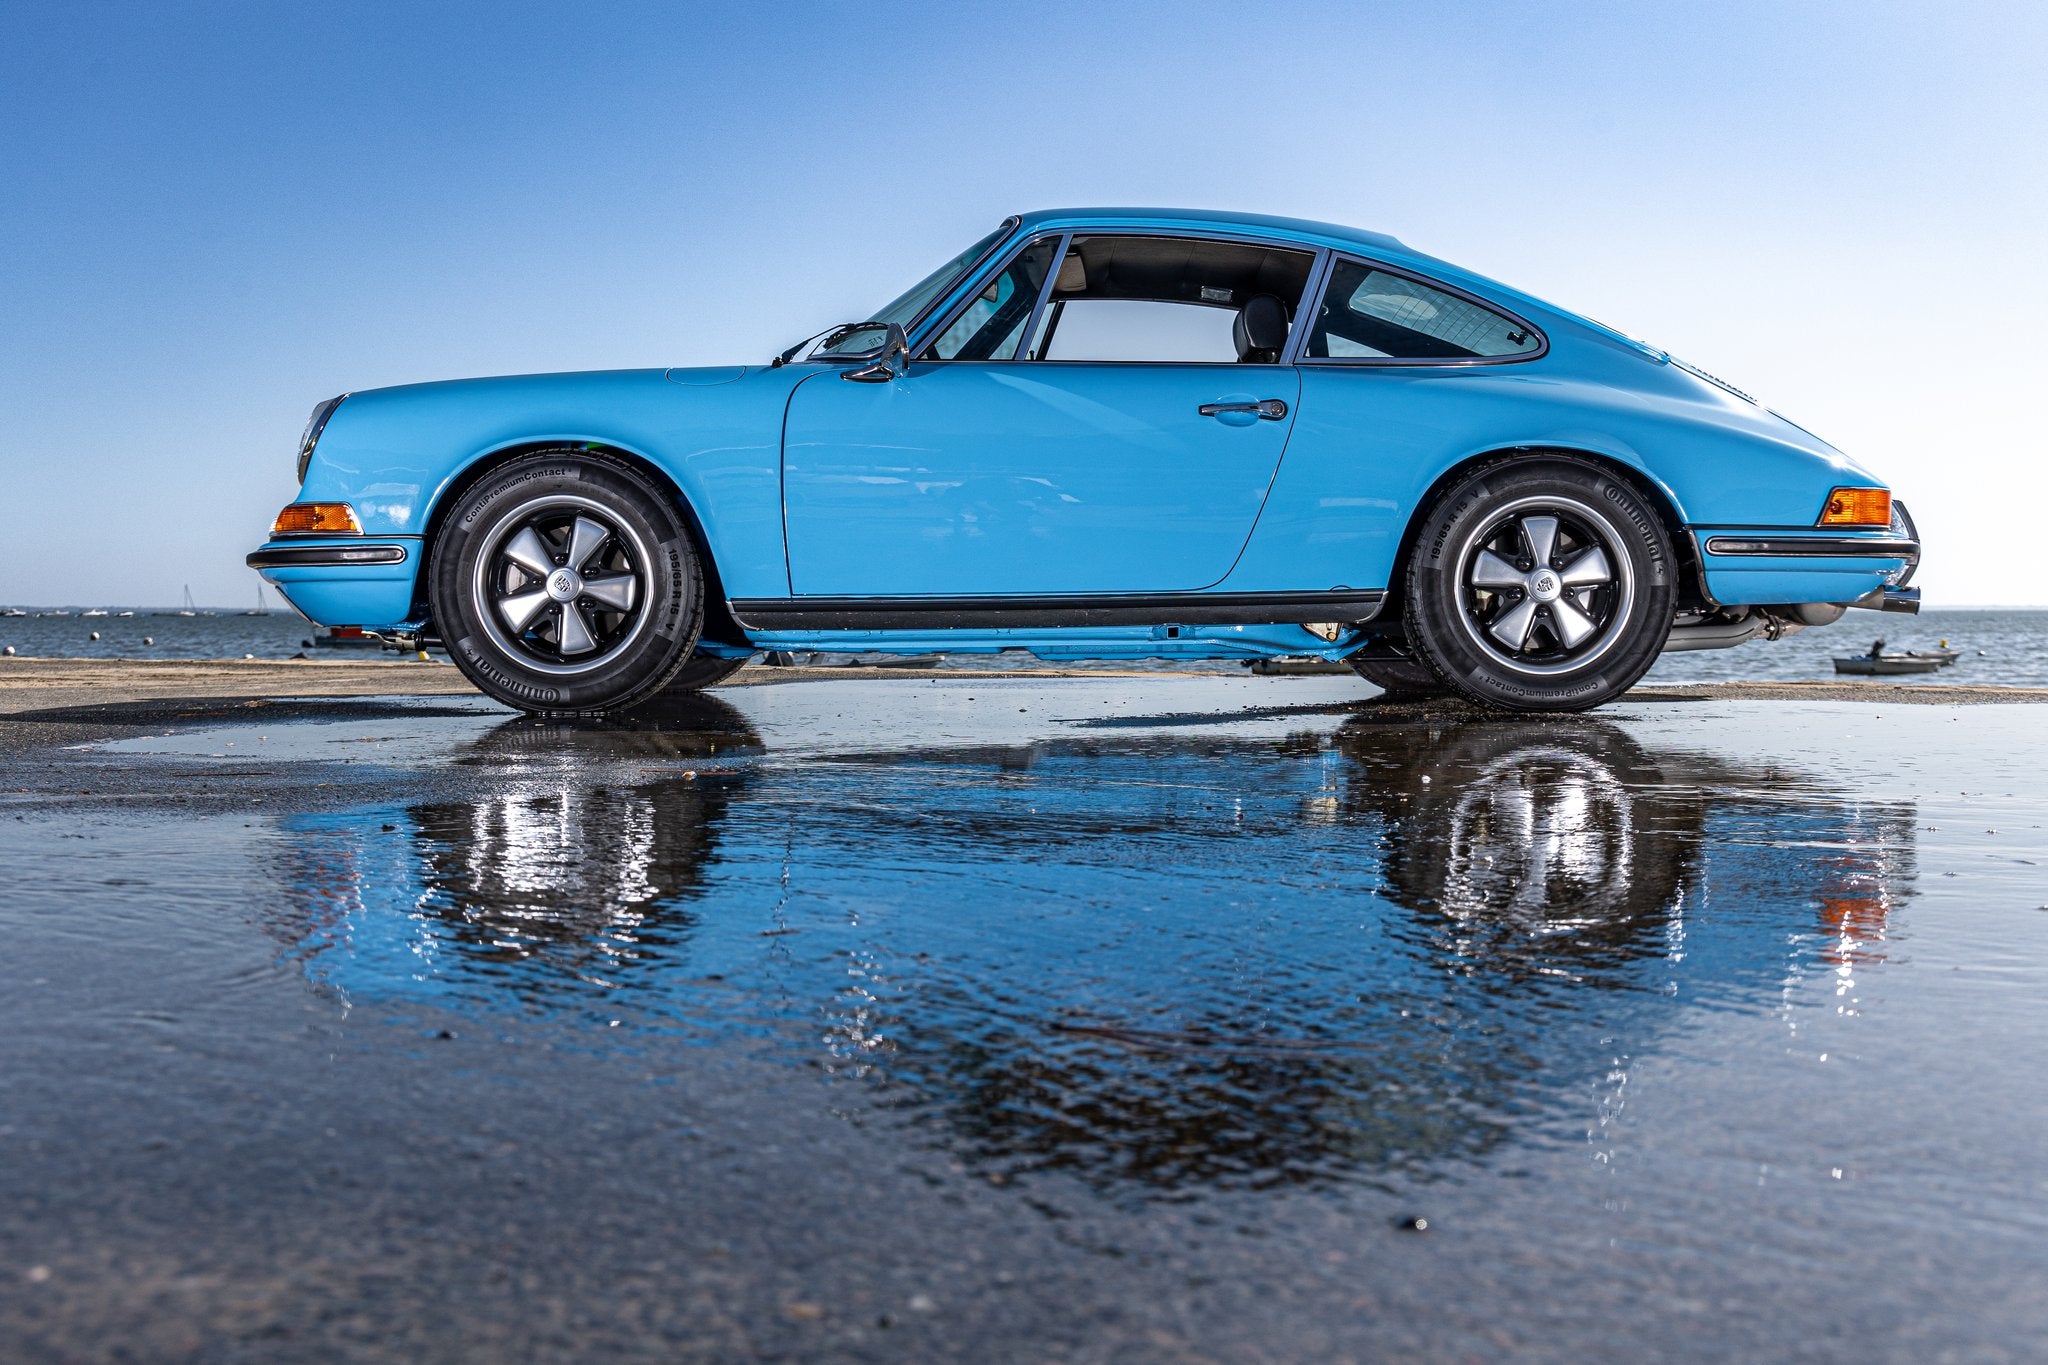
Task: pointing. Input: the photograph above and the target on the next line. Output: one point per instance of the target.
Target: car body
(1158, 500)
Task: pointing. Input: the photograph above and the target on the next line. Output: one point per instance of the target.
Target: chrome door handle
(1271, 409)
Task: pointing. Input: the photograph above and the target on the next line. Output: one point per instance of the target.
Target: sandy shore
(43, 684)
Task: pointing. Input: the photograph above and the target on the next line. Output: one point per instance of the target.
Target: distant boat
(59, 612)
(124, 613)
(189, 608)
(1885, 665)
(94, 611)
(13, 611)
(260, 610)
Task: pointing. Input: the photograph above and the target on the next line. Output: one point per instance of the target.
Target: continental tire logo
(503, 681)
(1640, 519)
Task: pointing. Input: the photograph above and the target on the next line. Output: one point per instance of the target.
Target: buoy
(95, 635)
(149, 639)
(248, 656)
(7, 653)
(422, 657)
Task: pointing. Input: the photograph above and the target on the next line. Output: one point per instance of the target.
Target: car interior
(1136, 298)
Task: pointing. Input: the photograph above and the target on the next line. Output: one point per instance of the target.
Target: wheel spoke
(1587, 567)
(520, 610)
(615, 592)
(530, 553)
(1573, 625)
(576, 637)
(1511, 627)
(1541, 533)
(584, 540)
(1491, 571)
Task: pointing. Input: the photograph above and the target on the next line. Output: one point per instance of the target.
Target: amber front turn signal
(1857, 507)
(317, 519)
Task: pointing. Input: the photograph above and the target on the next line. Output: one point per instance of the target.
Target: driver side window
(991, 325)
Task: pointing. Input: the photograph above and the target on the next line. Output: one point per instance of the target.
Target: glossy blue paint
(1028, 478)
(395, 453)
(1008, 478)
(350, 595)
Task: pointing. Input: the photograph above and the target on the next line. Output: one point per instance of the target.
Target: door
(1027, 478)
(1111, 426)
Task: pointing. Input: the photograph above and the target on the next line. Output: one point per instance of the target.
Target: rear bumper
(351, 582)
(1745, 566)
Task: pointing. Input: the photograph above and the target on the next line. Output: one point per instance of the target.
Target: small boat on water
(94, 611)
(1885, 665)
(1944, 657)
(13, 611)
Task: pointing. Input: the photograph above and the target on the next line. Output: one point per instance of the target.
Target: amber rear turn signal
(317, 519)
(1857, 507)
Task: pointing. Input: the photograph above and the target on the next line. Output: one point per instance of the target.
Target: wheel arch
(719, 625)
(1691, 576)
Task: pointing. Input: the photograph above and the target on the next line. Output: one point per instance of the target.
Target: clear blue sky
(214, 215)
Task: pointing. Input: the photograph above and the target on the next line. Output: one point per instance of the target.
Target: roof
(1160, 217)
(1378, 245)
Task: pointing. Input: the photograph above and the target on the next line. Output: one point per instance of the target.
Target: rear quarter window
(1368, 313)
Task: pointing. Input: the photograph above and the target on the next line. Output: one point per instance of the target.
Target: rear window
(1372, 314)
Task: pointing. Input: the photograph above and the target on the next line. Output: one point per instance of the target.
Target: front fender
(398, 454)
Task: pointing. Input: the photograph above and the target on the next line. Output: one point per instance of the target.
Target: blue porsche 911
(1109, 434)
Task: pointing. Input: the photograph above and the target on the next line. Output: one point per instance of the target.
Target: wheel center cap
(565, 585)
(1544, 587)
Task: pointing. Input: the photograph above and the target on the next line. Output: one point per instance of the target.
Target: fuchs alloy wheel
(565, 582)
(1540, 585)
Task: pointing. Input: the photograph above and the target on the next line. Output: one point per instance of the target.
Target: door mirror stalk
(891, 362)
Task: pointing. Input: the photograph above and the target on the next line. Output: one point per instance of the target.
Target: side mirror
(892, 361)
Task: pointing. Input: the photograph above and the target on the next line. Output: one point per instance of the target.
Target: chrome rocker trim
(1347, 606)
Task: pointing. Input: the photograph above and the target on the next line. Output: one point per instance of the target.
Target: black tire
(1507, 602)
(1400, 677)
(627, 640)
(702, 671)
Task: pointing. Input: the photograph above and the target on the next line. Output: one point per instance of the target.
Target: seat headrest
(1073, 276)
(1261, 329)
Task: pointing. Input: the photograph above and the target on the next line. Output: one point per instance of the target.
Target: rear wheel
(566, 582)
(1400, 677)
(1540, 585)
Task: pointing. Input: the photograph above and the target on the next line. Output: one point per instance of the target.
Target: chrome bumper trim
(1831, 547)
(325, 556)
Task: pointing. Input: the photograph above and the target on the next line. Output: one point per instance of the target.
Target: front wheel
(1540, 585)
(565, 582)
(702, 671)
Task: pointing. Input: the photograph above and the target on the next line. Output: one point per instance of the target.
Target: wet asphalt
(1006, 1019)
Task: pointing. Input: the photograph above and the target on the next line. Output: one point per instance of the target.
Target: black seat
(1260, 330)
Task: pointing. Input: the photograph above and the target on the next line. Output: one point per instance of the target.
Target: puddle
(1668, 999)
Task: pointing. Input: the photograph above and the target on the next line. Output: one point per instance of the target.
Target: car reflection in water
(1161, 964)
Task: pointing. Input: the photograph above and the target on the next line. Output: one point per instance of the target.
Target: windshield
(908, 306)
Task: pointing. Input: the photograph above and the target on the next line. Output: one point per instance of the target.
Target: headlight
(315, 424)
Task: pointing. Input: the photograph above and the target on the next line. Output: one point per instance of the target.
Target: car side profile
(1111, 434)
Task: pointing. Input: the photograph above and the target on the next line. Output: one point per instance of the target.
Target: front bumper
(352, 582)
